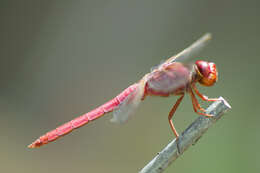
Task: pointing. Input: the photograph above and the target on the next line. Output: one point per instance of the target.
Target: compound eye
(208, 73)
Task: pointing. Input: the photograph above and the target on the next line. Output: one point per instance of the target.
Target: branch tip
(189, 137)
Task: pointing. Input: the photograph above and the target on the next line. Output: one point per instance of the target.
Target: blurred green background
(61, 59)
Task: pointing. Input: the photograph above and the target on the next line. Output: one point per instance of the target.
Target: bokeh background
(60, 59)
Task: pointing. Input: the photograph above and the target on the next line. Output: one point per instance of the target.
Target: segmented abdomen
(83, 119)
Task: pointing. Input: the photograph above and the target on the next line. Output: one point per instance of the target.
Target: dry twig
(189, 137)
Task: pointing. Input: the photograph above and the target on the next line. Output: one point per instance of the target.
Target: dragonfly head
(207, 72)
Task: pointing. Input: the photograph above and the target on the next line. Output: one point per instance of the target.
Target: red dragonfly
(169, 78)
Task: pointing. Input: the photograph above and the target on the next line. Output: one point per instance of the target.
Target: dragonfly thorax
(171, 79)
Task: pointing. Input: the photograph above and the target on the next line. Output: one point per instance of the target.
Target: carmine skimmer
(169, 78)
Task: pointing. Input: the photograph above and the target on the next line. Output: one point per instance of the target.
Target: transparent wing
(190, 51)
(122, 113)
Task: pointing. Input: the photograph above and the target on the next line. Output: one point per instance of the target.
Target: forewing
(127, 108)
(190, 51)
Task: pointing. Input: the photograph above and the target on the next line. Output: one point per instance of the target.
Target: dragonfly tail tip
(31, 146)
(35, 144)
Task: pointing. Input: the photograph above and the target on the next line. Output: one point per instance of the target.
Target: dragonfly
(172, 77)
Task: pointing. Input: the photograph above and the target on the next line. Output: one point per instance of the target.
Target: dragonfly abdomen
(83, 119)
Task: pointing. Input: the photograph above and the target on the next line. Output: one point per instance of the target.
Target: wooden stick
(189, 137)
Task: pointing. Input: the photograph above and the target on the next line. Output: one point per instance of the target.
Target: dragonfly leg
(171, 123)
(172, 113)
(196, 105)
(202, 96)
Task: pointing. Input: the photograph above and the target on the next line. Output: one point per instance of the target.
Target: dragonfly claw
(178, 147)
